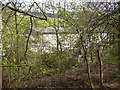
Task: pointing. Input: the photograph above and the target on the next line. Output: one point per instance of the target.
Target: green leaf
(84, 7)
(25, 35)
(99, 14)
(80, 33)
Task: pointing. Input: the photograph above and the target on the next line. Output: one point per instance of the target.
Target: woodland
(60, 45)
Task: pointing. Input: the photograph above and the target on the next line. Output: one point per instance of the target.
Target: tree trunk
(101, 68)
(17, 50)
(17, 40)
(87, 63)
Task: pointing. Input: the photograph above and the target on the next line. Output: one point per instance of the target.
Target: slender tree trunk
(88, 71)
(56, 32)
(17, 40)
(57, 39)
(17, 50)
(101, 68)
(87, 63)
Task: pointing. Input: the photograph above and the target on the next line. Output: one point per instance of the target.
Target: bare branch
(23, 12)
(31, 24)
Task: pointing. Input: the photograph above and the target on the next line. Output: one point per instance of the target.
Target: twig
(23, 12)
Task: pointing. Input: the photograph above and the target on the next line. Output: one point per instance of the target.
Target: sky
(28, 1)
(41, 0)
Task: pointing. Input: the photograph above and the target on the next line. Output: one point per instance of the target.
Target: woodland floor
(76, 78)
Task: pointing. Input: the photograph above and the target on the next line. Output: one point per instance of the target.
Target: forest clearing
(60, 45)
